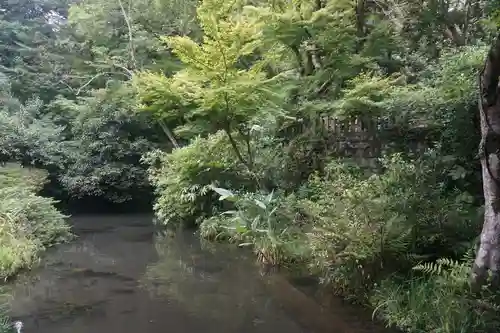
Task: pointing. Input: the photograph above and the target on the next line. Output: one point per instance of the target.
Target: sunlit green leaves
(216, 89)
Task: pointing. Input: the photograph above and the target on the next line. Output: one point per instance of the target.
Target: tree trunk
(169, 134)
(488, 253)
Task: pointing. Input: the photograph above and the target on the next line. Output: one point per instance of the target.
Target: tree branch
(169, 134)
(130, 37)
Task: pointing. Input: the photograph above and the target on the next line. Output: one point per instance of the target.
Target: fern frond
(429, 268)
(449, 263)
(441, 266)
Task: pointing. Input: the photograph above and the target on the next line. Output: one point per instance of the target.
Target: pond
(122, 276)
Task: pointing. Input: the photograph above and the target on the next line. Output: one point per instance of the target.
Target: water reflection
(221, 285)
(120, 276)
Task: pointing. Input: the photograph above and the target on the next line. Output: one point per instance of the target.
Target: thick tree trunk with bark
(488, 254)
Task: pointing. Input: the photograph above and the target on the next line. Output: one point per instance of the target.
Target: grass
(5, 324)
(29, 223)
(17, 249)
(12, 175)
(433, 304)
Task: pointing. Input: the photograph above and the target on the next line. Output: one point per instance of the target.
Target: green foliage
(319, 39)
(12, 175)
(353, 226)
(26, 134)
(28, 223)
(5, 326)
(438, 301)
(81, 57)
(362, 225)
(287, 164)
(220, 92)
(101, 29)
(28, 33)
(458, 270)
(105, 143)
(182, 178)
(218, 89)
(444, 103)
(93, 144)
(228, 77)
(264, 221)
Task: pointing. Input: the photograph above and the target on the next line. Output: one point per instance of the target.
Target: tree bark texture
(488, 252)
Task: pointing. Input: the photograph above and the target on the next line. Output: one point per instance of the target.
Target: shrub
(27, 135)
(5, 326)
(438, 301)
(363, 226)
(104, 144)
(28, 223)
(35, 214)
(12, 175)
(296, 159)
(444, 105)
(17, 249)
(182, 179)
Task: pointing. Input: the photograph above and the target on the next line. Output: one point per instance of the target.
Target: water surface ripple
(120, 276)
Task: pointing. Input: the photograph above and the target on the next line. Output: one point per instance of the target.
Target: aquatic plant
(264, 221)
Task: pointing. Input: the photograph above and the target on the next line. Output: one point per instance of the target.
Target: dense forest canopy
(336, 135)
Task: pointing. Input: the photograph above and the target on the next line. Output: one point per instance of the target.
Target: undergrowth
(28, 223)
(5, 325)
(266, 222)
(375, 238)
(436, 298)
(183, 179)
(365, 226)
(376, 235)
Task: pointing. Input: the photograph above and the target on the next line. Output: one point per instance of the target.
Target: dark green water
(120, 276)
